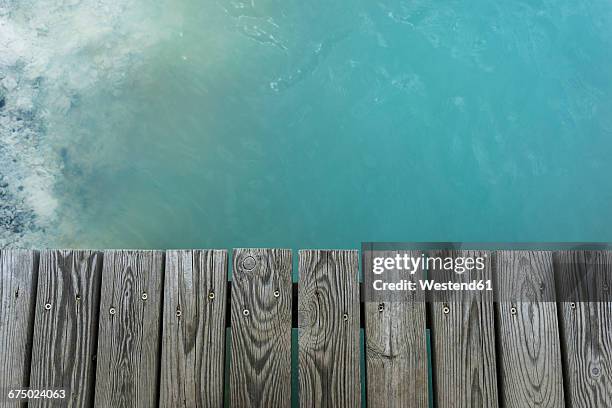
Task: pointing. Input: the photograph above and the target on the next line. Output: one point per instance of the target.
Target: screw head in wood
(77, 297)
(112, 310)
(276, 293)
(48, 306)
(446, 310)
(246, 312)
(249, 263)
(572, 305)
(211, 295)
(178, 313)
(144, 296)
(595, 371)
(513, 311)
(381, 307)
(345, 317)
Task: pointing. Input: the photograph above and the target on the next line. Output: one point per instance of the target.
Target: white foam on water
(54, 55)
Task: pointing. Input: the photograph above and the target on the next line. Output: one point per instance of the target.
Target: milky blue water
(307, 124)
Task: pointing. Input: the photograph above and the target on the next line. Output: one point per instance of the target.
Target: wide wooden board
(260, 372)
(328, 321)
(528, 332)
(396, 347)
(129, 329)
(18, 272)
(66, 326)
(193, 343)
(463, 335)
(586, 327)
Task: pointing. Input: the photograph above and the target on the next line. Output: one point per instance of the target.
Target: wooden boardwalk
(148, 328)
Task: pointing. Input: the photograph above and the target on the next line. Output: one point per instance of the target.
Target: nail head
(48, 306)
(211, 295)
(112, 310)
(178, 313)
(513, 310)
(446, 310)
(246, 312)
(144, 296)
(345, 317)
(276, 293)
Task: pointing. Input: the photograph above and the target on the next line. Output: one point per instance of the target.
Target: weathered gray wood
(260, 369)
(128, 341)
(531, 374)
(18, 272)
(328, 320)
(463, 335)
(66, 326)
(193, 343)
(586, 327)
(396, 347)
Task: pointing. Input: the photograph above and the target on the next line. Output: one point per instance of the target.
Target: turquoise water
(306, 124)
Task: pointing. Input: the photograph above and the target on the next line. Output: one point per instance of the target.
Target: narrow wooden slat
(193, 343)
(531, 370)
(66, 326)
(260, 369)
(463, 334)
(396, 347)
(130, 315)
(18, 272)
(328, 321)
(586, 327)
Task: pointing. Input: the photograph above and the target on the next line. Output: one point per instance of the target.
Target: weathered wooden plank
(193, 344)
(396, 348)
(528, 330)
(18, 272)
(66, 326)
(586, 327)
(463, 335)
(328, 321)
(260, 372)
(130, 316)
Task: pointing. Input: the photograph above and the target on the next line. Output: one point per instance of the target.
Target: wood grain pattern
(128, 344)
(586, 328)
(18, 272)
(66, 326)
(54, 347)
(328, 321)
(193, 343)
(396, 348)
(531, 370)
(463, 335)
(260, 371)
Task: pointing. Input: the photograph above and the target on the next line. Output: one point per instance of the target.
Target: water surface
(305, 124)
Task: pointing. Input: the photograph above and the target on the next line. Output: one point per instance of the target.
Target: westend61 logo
(410, 264)
(489, 272)
(400, 268)
(397, 273)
